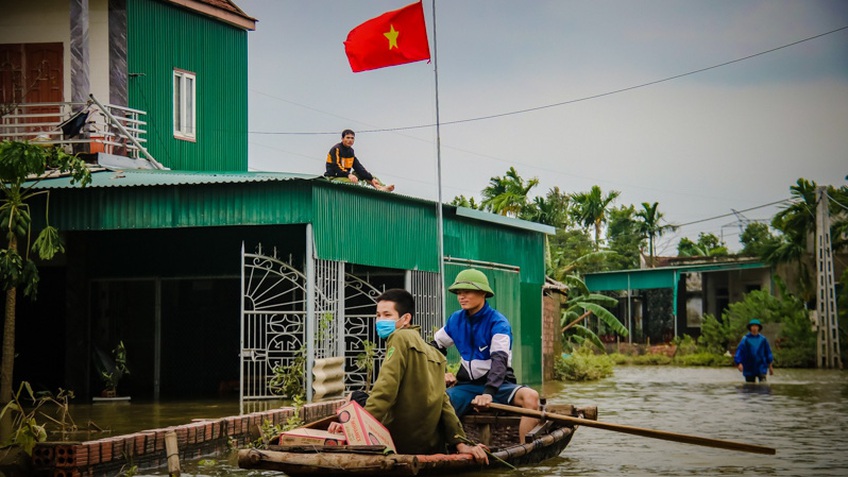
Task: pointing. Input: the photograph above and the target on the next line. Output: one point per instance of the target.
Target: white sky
(734, 137)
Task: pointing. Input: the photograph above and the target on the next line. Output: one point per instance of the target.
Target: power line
(572, 101)
(733, 213)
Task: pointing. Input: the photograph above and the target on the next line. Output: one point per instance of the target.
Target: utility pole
(827, 342)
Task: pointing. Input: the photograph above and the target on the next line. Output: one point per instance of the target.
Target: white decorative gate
(292, 317)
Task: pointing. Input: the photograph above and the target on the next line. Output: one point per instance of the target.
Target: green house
(193, 270)
(212, 276)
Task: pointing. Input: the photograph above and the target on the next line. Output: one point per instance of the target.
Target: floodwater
(803, 414)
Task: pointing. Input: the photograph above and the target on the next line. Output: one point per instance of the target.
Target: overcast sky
(735, 137)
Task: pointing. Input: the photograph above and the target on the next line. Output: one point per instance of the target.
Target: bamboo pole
(639, 431)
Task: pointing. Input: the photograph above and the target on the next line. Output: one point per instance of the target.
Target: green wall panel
(361, 226)
(121, 208)
(161, 37)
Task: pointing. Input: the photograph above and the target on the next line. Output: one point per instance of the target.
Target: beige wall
(48, 21)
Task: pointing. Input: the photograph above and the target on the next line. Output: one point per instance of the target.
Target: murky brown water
(801, 413)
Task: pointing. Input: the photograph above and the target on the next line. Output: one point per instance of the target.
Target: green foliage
(583, 365)
(112, 369)
(795, 357)
(287, 378)
(649, 224)
(708, 245)
(549, 210)
(624, 238)
(462, 201)
(590, 209)
(652, 359)
(268, 431)
(580, 305)
(568, 247)
(11, 268)
(48, 243)
(365, 361)
(26, 431)
(507, 195)
(758, 304)
(796, 344)
(757, 239)
(685, 344)
(703, 358)
(21, 166)
(716, 335)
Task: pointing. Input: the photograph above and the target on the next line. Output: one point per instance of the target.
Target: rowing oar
(639, 431)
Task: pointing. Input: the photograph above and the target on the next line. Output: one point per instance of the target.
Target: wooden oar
(639, 431)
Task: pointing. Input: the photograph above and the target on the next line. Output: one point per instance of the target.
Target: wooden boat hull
(549, 441)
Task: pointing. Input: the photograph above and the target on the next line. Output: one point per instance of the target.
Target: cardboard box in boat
(317, 437)
(363, 429)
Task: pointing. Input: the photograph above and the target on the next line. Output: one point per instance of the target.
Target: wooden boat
(496, 429)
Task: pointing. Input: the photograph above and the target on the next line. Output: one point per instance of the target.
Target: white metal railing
(43, 123)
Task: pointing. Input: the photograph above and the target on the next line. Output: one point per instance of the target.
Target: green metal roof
(662, 277)
(151, 177)
(503, 220)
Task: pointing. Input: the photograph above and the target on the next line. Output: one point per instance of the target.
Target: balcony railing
(78, 127)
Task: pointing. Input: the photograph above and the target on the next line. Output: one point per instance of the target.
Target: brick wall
(146, 449)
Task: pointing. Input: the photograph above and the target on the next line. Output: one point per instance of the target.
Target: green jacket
(409, 396)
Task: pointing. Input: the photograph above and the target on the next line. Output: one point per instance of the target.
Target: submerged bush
(794, 357)
(618, 358)
(652, 358)
(583, 365)
(703, 358)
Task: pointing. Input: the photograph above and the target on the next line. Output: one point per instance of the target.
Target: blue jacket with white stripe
(484, 342)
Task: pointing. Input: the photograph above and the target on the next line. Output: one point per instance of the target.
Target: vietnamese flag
(394, 38)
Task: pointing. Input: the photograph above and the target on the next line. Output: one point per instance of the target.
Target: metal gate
(290, 317)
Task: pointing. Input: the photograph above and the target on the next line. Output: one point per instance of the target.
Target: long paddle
(639, 431)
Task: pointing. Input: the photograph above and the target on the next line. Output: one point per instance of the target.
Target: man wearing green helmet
(483, 337)
(753, 355)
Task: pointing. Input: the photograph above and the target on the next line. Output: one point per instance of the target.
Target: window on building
(185, 105)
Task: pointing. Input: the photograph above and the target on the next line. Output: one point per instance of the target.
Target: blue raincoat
(754, 353)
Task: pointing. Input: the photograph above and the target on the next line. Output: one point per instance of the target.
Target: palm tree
(590, 209)
(796, 222)
(507, 195)
(549, 210)
(649, 225)
(462, 201)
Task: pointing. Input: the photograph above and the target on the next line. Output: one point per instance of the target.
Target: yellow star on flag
(392, 35)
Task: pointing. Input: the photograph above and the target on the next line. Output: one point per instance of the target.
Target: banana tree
(581, 305)
(22, 166)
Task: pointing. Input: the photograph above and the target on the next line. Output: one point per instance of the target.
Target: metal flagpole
(439, 218)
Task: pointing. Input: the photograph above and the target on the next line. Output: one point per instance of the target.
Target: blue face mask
(385, 328)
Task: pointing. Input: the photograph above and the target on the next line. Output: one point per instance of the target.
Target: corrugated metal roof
(503, 220)
(140, 178)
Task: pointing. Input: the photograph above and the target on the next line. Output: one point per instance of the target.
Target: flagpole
(439, 218)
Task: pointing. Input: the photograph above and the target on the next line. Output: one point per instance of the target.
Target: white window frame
(185, 105)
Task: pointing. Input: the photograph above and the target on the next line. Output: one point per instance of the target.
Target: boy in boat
(342, 164)
(753, 355)
(483, 337)
(409, 394)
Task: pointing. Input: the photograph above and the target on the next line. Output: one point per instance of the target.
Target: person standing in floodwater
(753, 355)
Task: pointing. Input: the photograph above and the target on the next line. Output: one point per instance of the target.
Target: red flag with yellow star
(393, 38)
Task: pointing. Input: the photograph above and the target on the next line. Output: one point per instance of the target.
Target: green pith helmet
(471, 279)
(755, 322)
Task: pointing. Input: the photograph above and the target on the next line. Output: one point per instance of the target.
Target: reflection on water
(124, 417)
(801, 413)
